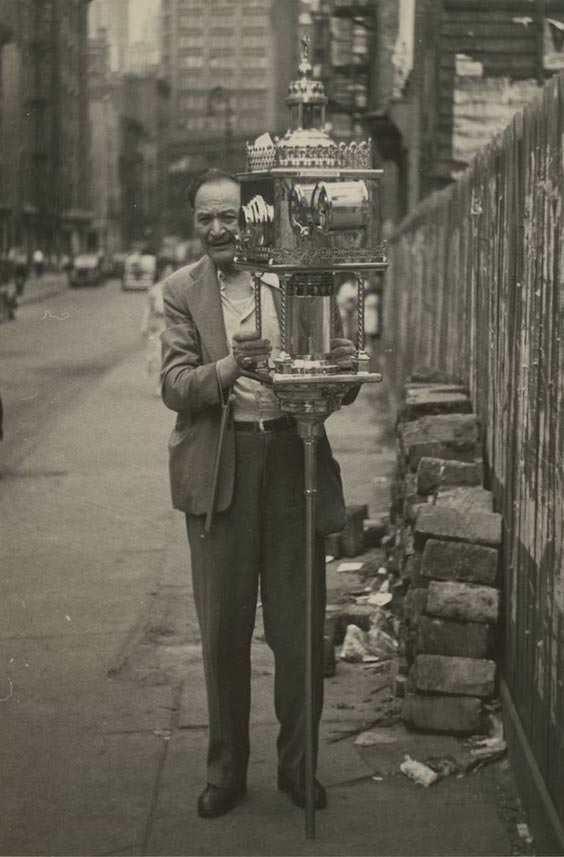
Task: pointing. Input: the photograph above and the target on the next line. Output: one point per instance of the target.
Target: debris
(353, 648)
(418, 772)
(328, 558)
(68, 618)
(377, 779)
(380, 642)
(379, 599)
(484, 750)
(444, 766)
(524, 833)
(349, 567)
(370, 738)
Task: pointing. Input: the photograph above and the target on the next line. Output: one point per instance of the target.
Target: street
(101, 687)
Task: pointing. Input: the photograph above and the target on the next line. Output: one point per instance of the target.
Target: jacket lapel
(205, 306)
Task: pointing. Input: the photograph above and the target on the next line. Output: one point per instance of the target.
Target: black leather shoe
(296, 790)
(215, 801)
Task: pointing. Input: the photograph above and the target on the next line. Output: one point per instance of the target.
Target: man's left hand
(342, 353)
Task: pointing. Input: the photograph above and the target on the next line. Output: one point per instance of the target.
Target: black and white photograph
(282, 428)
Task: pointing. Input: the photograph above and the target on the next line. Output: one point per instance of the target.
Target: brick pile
(446, 551)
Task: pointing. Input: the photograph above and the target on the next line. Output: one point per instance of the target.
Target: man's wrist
(227, 371)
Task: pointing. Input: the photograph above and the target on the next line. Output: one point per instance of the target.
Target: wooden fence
(476, 288)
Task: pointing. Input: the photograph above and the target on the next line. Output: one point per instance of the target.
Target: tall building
(112, 16)
(44, 193)
(228, 63)
(105, 147)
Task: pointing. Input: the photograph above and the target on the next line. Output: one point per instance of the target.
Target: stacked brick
(447, 542)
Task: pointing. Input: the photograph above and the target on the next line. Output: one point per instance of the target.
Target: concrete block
(441, 522)
(457, 714)
(333, 545)
(433, 399)
(457, 639)
(467, 602)
(374, 531)
(450, 436)
(469, 498)
(433, 473)
(454, 675)
(414, 604)
(468, 563)
(353, 532)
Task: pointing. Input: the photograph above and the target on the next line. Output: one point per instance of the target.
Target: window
(253, 61)
(255, 31)
(189, 41)
(256, 43)
(193, 61)
(220, 52)
(221, 31)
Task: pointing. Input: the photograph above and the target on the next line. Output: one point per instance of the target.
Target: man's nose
(217, 226)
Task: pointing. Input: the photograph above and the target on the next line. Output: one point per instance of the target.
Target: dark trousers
(260, 537)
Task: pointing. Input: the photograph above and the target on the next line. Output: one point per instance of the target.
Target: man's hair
(207, 177)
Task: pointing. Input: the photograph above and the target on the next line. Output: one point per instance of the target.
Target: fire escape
(343, 50)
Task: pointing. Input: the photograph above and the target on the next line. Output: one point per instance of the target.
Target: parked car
(86, 270)
(140, 271)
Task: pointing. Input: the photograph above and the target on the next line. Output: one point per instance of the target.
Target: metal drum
(341, 206)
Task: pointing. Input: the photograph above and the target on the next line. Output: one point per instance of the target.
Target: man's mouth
(219, 244)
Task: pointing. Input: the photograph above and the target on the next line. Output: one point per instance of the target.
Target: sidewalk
(104, 709)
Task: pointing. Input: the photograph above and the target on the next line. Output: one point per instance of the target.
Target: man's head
(215, 197)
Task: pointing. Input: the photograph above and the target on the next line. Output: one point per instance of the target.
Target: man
(258, 526)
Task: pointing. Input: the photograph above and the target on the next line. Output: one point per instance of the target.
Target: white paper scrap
(350, 566)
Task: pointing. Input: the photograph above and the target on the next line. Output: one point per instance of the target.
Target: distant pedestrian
(38, 262)
(152, 325)
(20, 267)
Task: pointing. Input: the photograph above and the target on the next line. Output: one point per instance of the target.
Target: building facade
(112, 16)
(432, 81)
(228, 64)
(44, 127)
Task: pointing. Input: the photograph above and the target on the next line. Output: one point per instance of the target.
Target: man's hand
(249, 349)
(342, 353)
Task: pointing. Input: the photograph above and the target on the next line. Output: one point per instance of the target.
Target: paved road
(54, 351)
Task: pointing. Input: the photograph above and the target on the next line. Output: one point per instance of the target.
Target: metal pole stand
(309, 430)
(310, 400)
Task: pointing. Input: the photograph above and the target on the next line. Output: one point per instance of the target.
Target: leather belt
(279, 424)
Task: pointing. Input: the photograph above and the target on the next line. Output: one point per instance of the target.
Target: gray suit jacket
(193, 341)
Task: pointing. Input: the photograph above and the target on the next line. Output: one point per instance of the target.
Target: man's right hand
(248, 349)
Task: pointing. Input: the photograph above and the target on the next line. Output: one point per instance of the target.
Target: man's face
(216, 219)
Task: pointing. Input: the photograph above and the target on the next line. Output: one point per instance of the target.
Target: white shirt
(253, 400)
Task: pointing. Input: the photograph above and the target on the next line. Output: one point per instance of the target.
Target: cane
(225, 414)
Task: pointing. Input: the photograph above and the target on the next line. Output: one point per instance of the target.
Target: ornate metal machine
(309, 211)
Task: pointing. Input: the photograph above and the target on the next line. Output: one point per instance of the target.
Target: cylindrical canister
(308, 321)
